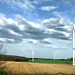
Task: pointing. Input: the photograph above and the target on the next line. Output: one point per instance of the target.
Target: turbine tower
(73, 46)
(54, 54)
(34, 42)
(73, 41)
(32, 54)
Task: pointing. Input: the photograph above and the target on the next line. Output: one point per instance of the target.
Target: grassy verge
(3, 73)
(52, 61)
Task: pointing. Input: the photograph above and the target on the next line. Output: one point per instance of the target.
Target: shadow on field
(1, 63)
(2, 72)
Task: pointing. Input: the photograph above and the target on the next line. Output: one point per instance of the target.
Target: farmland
(28, 68)
(52, 61)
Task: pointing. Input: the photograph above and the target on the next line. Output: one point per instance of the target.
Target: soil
(24, 68)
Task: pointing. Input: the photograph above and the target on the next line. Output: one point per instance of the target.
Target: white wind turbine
(32, 54)
(34, 42)
(54, 54)
(73, 41)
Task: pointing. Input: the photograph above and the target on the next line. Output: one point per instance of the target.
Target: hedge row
(12, 58)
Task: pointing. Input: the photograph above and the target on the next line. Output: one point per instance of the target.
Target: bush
(12, 58)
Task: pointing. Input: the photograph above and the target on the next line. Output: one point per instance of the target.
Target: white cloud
(24, 4)
(65, 41)
(68, 2)
(2, 15)
(40, 1)
(32, 41)
(58, 14)
(2, 39)
(55, 46)
(53, 22)
(66, 34)
(35, 2)
(50, 31)
(48, 8)
(20, 28)
(14, 33)
(32, 7)
(6, 39)
(51, 25)
(6, 22)
(46, 41)
(57, 34)
(51, 46)
(69, 22)
(12, 40)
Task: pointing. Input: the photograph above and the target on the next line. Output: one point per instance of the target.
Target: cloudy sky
(28, 24)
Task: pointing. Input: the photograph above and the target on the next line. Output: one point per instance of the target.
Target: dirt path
(23, 68)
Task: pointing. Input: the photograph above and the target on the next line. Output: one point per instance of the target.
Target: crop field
(52, 61)
(27, 68)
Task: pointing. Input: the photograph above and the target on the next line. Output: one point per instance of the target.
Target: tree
(2, 50)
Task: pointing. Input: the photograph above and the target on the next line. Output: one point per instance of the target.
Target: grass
(52, 61)
(3, 73)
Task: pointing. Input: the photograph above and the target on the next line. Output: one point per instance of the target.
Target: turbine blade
(66, 27)
(59, 27)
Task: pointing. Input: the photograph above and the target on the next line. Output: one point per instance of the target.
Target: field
(29, 68)
(52, 61)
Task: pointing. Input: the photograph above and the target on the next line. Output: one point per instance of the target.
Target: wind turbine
(73, 41)
(54, 54)
(34, 42)
(32, 54)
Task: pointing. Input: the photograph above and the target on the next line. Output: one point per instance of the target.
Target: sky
(32, 24)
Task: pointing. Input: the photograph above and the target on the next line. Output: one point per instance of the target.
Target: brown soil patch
(24, 68)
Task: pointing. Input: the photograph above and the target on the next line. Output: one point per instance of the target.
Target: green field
(52, 61)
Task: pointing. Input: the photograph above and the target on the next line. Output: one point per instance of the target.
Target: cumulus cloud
(57, 34)
(35, 2)
(48, 8)
(15, 30)
(53, 23)
(32, 41)
(19, 28)
(32, 30)
(46, 41)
